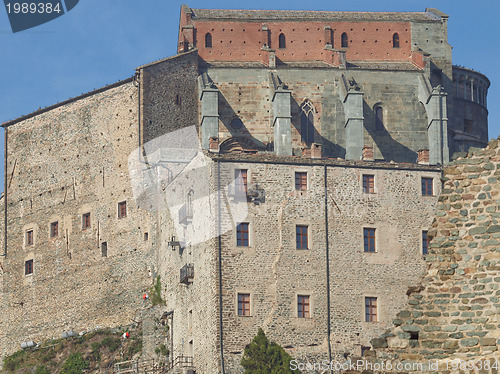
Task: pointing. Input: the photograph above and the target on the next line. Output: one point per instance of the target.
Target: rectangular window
(301, 181)
(54, 229)
(369, 239)
(301, 237)
(104, 249)
(370, 309)
(29, 237)
(122, 209)
(241, 177)
(427, 187)
(85, 221)
(368, 183)
(425, 243)
(28, 267)
(243, 304)
(303, 306)
(242, 235)
(146, 236)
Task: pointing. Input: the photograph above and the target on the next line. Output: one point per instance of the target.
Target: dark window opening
(301, 237)
(86, 221)
(242, 239)
(301, 181)
(344, 41)
(468, 126)
(425, 243)
(395, 40)
(208, 40)
(307, 122)
(370, 309)
(303, 306)
(122, 209)
(413, 335)
(28, 267)
(427, 187)
(243, 304)
(236, 124)
(364, 349)
(369, 239)
(368, 183)
(379, 118)
(54, 229)
(282, 41)
(178, 100)
(146, 236)
(104, 249)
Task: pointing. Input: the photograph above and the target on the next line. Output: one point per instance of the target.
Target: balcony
(186, 214)
(187, 273)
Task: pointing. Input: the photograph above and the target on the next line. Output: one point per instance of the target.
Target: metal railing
(187, 273)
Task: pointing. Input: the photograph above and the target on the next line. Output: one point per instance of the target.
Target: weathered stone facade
(137, 142)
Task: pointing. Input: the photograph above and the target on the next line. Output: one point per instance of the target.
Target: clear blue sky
(102, 41)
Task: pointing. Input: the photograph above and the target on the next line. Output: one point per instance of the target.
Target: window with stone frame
(301, 181)
(85, 221)
(243, 304)
(427, 186)
(301, 235)
(208, 40)
(371, 309)
(242, 235)
(395, 40)
(303, 306)
(282, 41)
(368, 183)
(307, 122)
(30, 237)
(28, 267)
(241, 180)
(122, 209)
(344, 40)
(369, 239)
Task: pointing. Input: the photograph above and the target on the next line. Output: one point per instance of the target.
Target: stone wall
(61, 164)
(453, 312)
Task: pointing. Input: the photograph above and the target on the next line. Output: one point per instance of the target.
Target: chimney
(306, 152)
(213, 144)
(423, 157)
(315, 150)
(368, 153)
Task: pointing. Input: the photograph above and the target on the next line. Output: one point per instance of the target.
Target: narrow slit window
(54, 229)
(104, 249)
(425, 243)
(379, 118)
(307, 122)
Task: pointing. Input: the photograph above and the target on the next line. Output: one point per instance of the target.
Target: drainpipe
(5, 194)
(328, 324)
(219, 232)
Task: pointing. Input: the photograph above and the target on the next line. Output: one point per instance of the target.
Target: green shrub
(74, 364)
(112, 343)
(156, 292)
(14, 361)
(162, 349)
(49, 356)
(42, 370)
(262, 356)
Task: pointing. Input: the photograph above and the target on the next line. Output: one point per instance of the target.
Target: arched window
(344, 42)
(208, 40)
(307, 122)
(379, 118)
(282, 41)
(395, 40)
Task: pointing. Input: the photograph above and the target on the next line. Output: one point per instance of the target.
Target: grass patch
(156, 292)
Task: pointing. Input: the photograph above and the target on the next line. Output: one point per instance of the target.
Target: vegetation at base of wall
(93, 351)
(156, 292)
(162, 349)
(263, 356)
